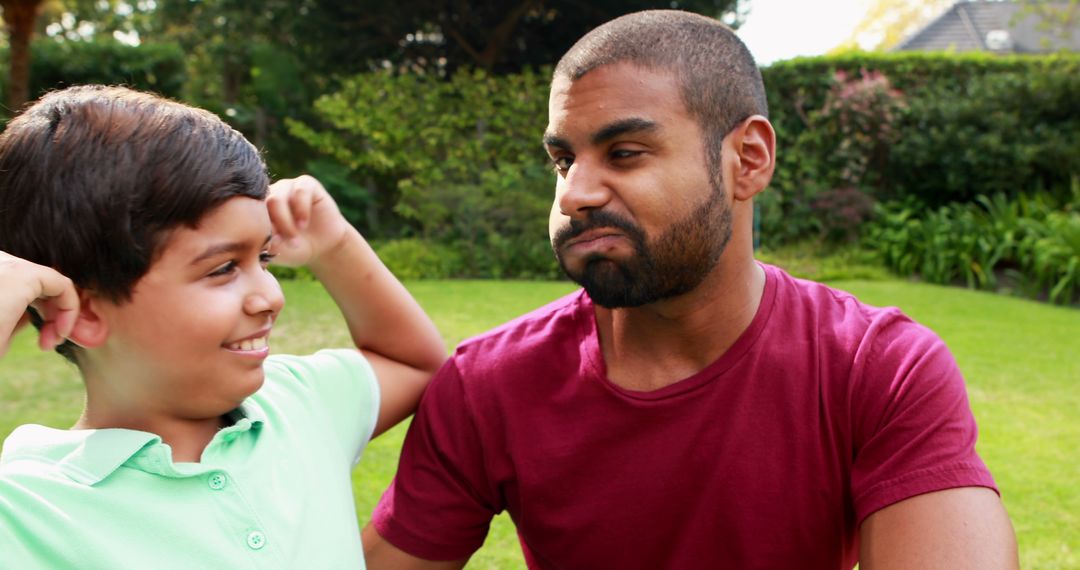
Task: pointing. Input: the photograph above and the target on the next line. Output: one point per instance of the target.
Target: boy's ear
(91, 329)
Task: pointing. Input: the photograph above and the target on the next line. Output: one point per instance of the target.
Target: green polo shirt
(273, 490)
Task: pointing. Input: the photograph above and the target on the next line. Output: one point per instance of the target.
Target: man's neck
(647, 348)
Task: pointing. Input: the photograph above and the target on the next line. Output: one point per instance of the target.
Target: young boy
(194, 450)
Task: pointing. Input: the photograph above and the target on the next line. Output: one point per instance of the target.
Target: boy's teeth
(250, 344)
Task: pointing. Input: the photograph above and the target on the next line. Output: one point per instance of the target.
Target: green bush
(1005, 133)
(459, 158)
(1030, 243)
(964, 126)
(419, 259)
(283, 273)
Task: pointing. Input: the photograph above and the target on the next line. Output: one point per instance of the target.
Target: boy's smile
(257, 346)
(191, 341)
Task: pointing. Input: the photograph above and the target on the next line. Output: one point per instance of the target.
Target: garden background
(903, 178)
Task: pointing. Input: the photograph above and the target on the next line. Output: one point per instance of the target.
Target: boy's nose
(265, 296)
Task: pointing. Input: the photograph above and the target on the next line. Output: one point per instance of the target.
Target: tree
(19, 17)
(888, 22)
(498, 36)
(1055, 17)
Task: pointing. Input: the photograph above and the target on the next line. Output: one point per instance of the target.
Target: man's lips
(594, 239)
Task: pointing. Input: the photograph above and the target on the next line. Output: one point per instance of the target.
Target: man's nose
(584, 188)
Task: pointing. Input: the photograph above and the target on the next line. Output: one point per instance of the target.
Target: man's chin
(608, 284)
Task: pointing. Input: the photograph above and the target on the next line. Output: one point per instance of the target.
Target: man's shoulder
(831, 312)
(538, 333)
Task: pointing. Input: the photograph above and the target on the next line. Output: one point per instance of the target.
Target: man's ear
(752, 148)
(91, 328)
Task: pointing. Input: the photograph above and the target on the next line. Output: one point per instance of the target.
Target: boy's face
(191, 341)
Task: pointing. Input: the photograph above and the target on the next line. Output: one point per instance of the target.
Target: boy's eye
(266, 257)
(223, 269)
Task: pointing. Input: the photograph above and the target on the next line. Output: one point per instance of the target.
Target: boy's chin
(246, 387)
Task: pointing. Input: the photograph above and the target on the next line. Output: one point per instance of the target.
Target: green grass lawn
(1021, 360)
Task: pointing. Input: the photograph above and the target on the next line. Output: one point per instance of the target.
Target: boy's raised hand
(385, 322)
(307, 222)
(53, 296)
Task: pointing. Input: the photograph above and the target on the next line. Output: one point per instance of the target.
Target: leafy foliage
(152, 67)
(56, 64)
(460, 159)
(1031, 243)
(971, 124)
(414, 258)
(833, 169)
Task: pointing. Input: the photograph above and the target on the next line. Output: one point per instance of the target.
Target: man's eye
(224, 269)
(617, 154)
(562, 163)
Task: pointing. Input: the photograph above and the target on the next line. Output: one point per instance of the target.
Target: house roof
(996, 26)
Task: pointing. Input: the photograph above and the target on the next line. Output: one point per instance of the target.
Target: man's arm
(398, 338)
(959, 528)
(379, 554)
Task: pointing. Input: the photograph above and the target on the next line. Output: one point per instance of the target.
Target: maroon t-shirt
(822, 412)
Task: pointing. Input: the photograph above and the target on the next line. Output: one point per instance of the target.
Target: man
(692, 408)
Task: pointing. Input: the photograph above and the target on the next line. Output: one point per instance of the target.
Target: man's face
(191, 341)
(639, 216)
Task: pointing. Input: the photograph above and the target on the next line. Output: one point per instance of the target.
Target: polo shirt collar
(90, 456)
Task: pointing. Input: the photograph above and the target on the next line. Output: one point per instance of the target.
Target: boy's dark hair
(93, 178)
(719, 81)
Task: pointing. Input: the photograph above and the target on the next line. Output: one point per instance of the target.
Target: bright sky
(782, 29)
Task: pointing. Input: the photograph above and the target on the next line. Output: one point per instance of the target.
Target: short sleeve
(914, 429)
(341, 384)
(440, 504)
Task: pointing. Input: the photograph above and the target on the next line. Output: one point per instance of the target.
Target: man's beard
(674, 263)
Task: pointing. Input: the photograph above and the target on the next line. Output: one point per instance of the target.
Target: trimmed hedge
(971, 124)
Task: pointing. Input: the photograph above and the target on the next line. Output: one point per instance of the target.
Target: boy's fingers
(48, 338)
(58, 290)
(281, 216)
(59, 302)
(300, 204)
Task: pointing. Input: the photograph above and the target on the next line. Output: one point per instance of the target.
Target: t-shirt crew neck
(592, 353)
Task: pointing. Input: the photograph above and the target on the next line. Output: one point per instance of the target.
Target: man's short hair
(93, 178)
(718, 78)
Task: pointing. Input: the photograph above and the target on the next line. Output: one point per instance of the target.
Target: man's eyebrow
(632, 125)
(608, 132)
(226, 247)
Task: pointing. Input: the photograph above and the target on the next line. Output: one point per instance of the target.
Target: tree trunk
(19, 17)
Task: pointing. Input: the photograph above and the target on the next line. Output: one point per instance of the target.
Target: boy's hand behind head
(307, 222)
(51, 294)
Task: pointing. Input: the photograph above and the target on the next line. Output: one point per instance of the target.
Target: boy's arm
(54, 297)
(385, 322)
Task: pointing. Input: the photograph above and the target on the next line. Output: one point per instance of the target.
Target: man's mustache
(596, 220)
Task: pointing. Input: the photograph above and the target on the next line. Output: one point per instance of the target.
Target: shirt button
(217, 481)
(256, 540)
